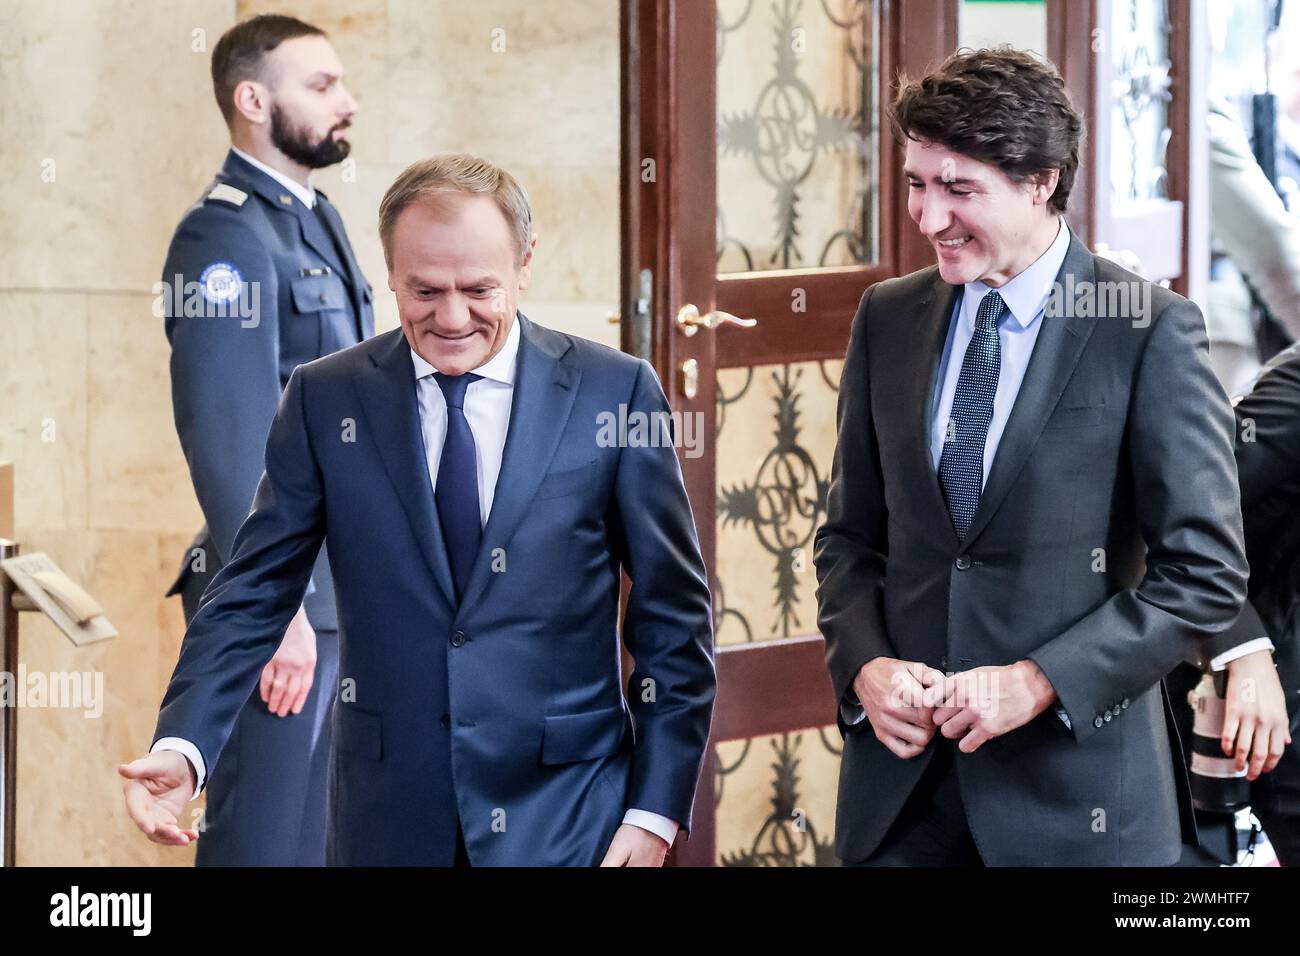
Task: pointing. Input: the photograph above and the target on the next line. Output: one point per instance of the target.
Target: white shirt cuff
(187, 750)
(1241, 650)
(1065, 718)
(660, 826)
(851, 710)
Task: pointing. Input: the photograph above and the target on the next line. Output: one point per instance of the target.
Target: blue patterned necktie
(961, 465)
(456, 494)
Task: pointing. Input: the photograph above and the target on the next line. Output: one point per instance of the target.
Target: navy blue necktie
(961, 465)
(456, 493)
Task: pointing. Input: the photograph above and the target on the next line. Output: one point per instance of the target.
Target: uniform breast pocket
(316, 300)
(319, 293)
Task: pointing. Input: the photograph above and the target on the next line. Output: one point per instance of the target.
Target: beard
(296, 142)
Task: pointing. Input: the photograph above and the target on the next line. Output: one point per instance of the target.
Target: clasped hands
(907, 701)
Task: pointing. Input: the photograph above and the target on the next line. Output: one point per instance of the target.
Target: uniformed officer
(259, 279)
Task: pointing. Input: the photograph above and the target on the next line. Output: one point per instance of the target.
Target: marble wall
(108, 132)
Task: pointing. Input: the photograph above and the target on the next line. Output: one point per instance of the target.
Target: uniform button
(445, 720)
(1096, 722)
(323, 298)
(1124, 703)
(458, 639)
(1109, 715)
(962, 562)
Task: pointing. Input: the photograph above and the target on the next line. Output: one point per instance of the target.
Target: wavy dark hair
(1000, 106)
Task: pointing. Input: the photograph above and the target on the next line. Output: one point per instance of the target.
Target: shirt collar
(499, 368)
(1025, 294)
(306, 194)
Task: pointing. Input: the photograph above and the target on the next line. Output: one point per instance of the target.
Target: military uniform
(255, 284)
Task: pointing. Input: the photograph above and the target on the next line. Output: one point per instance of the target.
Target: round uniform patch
(221, 282)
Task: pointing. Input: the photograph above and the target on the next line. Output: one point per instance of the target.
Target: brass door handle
(690, 321)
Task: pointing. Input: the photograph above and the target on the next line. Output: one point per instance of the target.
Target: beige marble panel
(575, 213)
(548, 98)
(43, 411)
(114, 96)
(70, 809)
(585, 319)
(138, 476)
(777, 796)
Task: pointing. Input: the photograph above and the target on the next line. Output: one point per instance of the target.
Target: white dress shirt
(487, 410)
(306, 194)
(1025, 296)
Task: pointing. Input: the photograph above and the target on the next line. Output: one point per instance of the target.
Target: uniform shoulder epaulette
(224, 192)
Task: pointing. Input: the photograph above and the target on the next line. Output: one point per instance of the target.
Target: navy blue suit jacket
(228, 373)
(505, 711)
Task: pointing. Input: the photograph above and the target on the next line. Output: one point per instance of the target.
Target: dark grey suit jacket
(1268, 468)
(1120, 439)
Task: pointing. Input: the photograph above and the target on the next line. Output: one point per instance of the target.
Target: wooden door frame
(664, 69)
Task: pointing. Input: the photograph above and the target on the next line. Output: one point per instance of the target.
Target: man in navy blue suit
(478, 520)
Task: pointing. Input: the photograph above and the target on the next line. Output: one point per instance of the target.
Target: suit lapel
(356, 281)
(388, 397)
(930, 334)
(1060, 343)
(545, 387)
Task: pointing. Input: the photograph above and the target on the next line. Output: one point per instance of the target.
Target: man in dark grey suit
(1033, 512)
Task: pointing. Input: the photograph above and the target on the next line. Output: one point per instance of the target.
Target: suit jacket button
(1096, 721)
(962, 562)
(458, 639)
(323, 298)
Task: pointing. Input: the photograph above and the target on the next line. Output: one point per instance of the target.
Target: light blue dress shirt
(1026, 297)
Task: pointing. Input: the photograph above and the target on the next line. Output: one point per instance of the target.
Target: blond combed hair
(433, 180)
